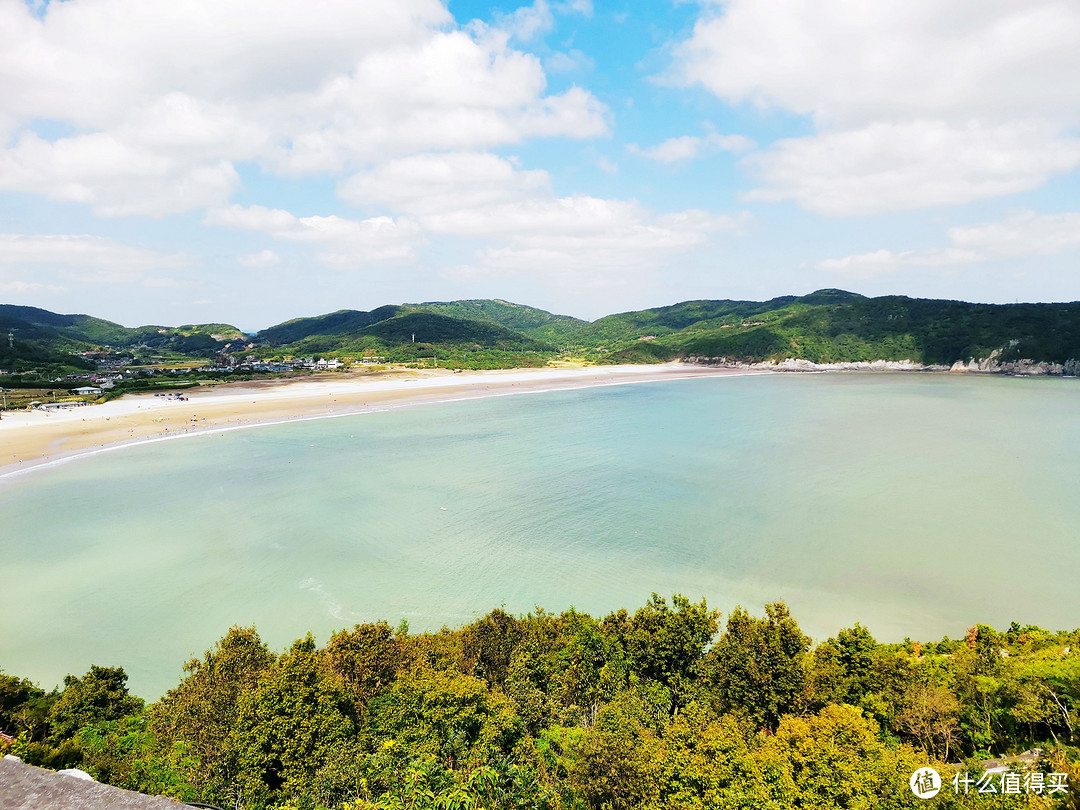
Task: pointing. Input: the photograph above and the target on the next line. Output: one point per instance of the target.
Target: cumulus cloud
(1024, 233)
(160, 101)
(116, 177)
(688, 147)
(346, 244)
(432, 183)
(485, 197)
(909, 165)
(988, 93)
(846, 65)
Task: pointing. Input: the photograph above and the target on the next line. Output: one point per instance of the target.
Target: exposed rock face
(987, 365)
(1021, 368)
(24, 787)
(796, 364)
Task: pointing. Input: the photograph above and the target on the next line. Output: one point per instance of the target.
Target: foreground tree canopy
(664, 707)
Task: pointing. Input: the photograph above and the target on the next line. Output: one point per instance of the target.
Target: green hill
(417, 331)
(430, 327)
(525, 321)
(342, 322)
(535, 323)
(42, 338)
(838, 326)
(824, 326)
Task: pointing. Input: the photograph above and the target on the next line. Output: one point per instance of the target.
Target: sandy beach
(31, 438)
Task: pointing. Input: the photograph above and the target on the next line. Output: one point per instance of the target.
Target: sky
(250, 161)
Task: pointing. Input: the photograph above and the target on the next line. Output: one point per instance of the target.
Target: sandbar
(30, 439)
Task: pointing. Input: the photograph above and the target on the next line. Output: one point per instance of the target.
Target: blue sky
(249, 161)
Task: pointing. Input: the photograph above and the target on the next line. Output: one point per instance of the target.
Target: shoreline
(33, 440)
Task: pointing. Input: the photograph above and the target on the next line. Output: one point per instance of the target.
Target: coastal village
(114, 370)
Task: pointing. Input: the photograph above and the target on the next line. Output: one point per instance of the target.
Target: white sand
(30, 438)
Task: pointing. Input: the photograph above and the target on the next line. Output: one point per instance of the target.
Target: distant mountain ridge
(826, 326)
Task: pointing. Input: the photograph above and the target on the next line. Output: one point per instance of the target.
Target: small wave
(334, 608)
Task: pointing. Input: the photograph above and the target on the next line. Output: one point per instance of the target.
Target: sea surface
(917, 505)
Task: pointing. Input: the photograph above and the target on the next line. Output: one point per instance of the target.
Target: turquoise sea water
(917, 505)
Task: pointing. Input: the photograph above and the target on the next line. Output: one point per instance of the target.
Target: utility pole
(11, 348)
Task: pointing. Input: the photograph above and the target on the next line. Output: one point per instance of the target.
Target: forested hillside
(32, 338)
(663, 707)
(831, 326)
(828, 326)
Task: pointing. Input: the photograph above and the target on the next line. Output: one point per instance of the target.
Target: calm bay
(917, 505)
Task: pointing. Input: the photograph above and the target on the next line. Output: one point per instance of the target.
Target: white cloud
(88, 62)
(17, 287)
(909, 165)
(528, 22)
(1022, 234)
(847, 63)
(456, 92)
(113, 176)
(431, 183)
(162, 100)
(264, 258)
(985, 93)
(485, 197)
(606, 164)
(586, 242)
(880, 262)
(688, 147)
(572, 61)
(83, 251)
(583, 7)
(346, 244)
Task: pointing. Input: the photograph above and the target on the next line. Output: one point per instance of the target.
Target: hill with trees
(827, 326)
(832, 326)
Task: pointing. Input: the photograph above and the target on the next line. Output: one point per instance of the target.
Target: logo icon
(925, 783)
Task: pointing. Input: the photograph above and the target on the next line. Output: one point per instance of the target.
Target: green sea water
(915, 504)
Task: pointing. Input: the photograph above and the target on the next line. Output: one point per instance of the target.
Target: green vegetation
(407, 335)
(836, 326)
(663, 707)
(66, 334)
(825, 326)
(535, 323)
(343, 322)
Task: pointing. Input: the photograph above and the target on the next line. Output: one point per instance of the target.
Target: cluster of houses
(228, 363)
(109, 360)
(111, 370)
(101, 381)
(106, 379)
